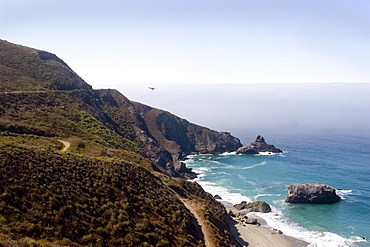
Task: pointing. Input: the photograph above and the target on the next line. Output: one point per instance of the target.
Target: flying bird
(152, 88)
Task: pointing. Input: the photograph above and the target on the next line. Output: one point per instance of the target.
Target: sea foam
(276, 218)
(343, 193)
(255, 165)
(224, 193)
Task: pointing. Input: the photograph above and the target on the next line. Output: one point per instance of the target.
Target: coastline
(253, 235)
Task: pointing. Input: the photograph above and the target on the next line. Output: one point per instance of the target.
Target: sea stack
(259, 145)
(311, 193)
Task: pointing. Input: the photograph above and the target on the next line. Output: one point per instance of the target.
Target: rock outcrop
(311, 193)
(180, 137)
(164, 137)
(259, 145)
(257, 206)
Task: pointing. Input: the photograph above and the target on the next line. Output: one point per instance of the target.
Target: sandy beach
(254, 235)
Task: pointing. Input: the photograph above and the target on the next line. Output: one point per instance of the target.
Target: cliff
(111, 183)
(164, 137)
(181, 137)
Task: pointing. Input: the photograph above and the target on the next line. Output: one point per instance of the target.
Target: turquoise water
(339, 159)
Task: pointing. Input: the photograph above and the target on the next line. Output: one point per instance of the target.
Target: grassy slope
(27, 69)
(60, 114)
(68, 199)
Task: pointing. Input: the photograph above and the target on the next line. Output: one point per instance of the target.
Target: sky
(259, 108)
(240, 48)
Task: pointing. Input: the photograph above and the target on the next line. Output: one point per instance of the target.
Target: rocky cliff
(180, 137)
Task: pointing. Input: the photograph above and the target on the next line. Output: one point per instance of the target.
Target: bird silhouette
(152, 88)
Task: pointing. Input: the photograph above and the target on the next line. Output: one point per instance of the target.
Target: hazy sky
(178, 46)
(109, 42)
(261, 107)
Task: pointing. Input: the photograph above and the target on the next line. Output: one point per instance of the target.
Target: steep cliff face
(164, 137)
(180, 137)
(130, 124)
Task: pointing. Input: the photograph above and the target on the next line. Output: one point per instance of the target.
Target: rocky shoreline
(252, 231)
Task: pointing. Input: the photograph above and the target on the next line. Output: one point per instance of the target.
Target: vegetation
(97, 129)
(107, 188)
(86, 201)
(56, 113)
(33, 70)
(207, 207)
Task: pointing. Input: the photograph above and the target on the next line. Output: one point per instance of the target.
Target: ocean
(338, 158)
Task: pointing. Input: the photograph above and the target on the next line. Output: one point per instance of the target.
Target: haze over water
(251, 108)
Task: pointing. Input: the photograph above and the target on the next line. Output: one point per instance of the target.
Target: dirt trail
(189, 206)
(66, 145)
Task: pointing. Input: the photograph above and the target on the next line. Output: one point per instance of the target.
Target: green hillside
(27, 69)
(72, 200)
(83, 167)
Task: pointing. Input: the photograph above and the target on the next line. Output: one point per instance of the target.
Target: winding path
(189, 206)
(66, 145)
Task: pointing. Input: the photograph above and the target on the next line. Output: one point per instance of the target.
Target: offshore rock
(257, 206)
(311, 193)
(259, 145)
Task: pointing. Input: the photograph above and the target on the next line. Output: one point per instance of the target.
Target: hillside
(27, 69)
(113, 184)
(83, 201)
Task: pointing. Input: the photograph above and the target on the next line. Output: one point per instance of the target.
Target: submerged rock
(259, 145)
(257, 206)
(311, 193)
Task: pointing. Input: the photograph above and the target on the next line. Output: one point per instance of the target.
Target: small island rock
(259, 145)
(311, 193)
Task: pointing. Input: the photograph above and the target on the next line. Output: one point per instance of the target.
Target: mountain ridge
(164, 137)
(42, 101)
